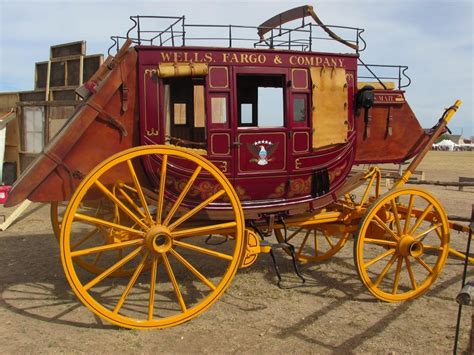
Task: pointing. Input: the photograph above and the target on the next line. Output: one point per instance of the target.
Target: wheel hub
(408, 246)
(158, 239)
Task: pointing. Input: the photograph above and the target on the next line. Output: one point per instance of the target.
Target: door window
(261, 100)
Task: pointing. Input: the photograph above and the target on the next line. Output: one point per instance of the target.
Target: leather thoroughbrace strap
(76, 174)
(108, 118)
(125, 90)
(388, 131)
(367, 121)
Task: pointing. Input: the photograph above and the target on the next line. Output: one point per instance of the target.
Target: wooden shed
(43, 111)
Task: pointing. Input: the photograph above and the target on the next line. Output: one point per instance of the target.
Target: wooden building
(42, 112)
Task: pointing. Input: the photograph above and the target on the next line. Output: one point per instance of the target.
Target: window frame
(26, 143)
(305, 97)
(262, 72)
(225, 96)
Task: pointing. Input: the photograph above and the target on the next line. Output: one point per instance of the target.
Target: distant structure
(455, 138)
(41, 113)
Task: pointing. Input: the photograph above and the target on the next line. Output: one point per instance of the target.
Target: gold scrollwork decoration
(151, 72)
(152, 132)
(298, 164)
(279, 191)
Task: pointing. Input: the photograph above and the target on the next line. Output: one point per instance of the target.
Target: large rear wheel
(176, 274)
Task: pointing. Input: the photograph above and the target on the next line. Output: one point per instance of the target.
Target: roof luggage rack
(175, 32)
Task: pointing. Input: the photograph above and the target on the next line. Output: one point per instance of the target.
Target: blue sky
(434, 38)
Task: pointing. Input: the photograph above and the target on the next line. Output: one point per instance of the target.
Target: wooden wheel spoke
(97, 258)
(102, 248)
(203, 250)
(410, 273)
(432, 228)
(408, 217)
(86, 238)
(431, 247)
(101, 222)
(161, 192)
(303, 243)
(177, 291)
(397, 275)
(397, 217)
(131, 283)
(182, 195)
(196, 209)
(131, 202)
(121, 205)
(438, 232)
(424, 264)
(385, 270)
(380, 242)
(329, 241)
(113, 268)
(310, 246)
(151, 299)
(386, 228)
(316, 246)
(294, 234)
(191, 268)
(141, 196)
(200, 231)
(421, 218)
(379, 257)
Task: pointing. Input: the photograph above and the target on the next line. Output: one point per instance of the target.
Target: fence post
(465, 299)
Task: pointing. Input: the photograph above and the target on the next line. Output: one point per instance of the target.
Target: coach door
(261, 135)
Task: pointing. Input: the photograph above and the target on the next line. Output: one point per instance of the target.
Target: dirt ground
(331, 313)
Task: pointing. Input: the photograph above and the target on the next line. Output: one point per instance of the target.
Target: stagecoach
(191, 155)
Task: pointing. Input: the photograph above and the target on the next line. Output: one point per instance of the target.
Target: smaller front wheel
(402, 244)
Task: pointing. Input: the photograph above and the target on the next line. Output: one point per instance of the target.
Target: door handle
(236, 144)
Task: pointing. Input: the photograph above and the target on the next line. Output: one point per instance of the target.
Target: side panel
(392, 133)
(290, 168)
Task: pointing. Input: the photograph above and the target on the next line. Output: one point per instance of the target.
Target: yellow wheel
(97, 208)
(186, 274)
(313, 244)
(56, 214)
(402, 244)
(57, 209)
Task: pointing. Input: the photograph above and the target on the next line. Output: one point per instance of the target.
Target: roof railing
(381, 72)
(175, 32)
